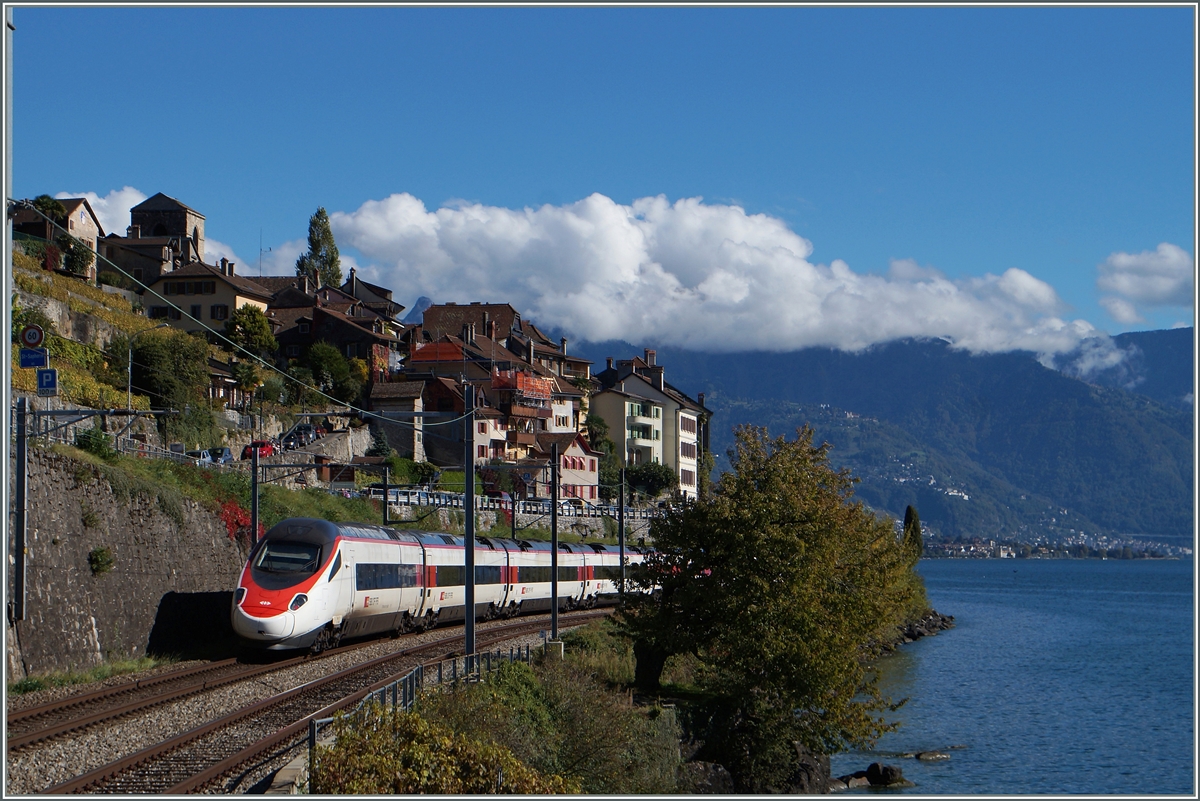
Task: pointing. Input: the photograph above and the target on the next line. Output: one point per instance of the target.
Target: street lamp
(129, 364)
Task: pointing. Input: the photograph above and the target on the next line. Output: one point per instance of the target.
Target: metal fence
(402, 693)
(454, 500)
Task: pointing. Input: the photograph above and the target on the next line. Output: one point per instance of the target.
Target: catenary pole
(21, 516)
(554, 542)
(469, 516)
(621, 531)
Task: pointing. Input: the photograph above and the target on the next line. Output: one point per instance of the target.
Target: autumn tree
(322, 261)
(775, 583)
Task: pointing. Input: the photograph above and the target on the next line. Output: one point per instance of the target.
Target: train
(310, 583)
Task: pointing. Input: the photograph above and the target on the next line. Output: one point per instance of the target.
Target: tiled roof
(398, 389)
(275, 283)
(161, 202)
(197, 269)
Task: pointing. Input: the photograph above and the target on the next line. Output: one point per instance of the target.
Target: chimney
(562, 345)
(134, 232)
(229, 266)
(700, 398)
(491, 332)
(304, 283)
(222, 265)
(649, 357)
(609, 360)
(531, 350)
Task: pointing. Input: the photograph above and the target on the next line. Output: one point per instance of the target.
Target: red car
(264, 449)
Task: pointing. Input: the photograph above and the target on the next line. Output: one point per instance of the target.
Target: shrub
(395, 752)
(95, 442)
(101, 561)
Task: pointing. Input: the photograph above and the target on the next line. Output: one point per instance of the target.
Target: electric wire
(26, 204)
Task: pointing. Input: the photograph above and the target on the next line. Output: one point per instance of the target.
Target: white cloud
(1121, 310)
(215, 250)
(113, 209)
(1161, 277)
(689, 274)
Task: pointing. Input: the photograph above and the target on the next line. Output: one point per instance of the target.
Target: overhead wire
(26, 204)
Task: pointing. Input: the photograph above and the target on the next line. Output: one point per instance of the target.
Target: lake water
(1060, 676)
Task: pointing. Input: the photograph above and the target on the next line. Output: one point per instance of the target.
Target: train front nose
(275, 626)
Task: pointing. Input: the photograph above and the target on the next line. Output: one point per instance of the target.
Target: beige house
(201, 296)
(658, 422)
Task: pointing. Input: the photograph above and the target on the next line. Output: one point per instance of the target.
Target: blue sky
(1007, 177)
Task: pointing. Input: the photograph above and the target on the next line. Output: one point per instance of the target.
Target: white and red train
(309, 583)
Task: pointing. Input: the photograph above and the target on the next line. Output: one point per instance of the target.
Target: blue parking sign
(47, 382)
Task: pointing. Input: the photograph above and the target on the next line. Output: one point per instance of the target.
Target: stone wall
(174, 568)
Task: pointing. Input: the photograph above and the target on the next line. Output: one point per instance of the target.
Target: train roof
(323, 532)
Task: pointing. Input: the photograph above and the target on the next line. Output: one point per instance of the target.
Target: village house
(163, 235)
(197, 296)
(81, 222)
(634, 392)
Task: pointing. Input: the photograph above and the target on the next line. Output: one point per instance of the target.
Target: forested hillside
(1028, 446)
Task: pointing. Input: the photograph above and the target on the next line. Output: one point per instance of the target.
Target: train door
(341, 580)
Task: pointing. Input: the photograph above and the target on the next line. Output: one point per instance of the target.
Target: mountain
(1033, 449)
(417, 313)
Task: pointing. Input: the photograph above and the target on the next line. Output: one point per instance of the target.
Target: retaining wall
(171, 581)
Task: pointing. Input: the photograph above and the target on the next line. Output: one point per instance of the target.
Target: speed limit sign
(31, 336)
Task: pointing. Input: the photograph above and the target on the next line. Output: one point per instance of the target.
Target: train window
(533, 574)
(609, 572)
(487, 574)
(451, 575)
(568, 573)
(289, 557)
(384, 577)
(337, 565)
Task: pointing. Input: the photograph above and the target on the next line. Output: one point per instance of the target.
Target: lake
(1060, 676)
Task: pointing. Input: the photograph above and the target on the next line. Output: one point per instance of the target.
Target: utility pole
(18, 608)
(19, 524)
(621, 532)
(386, 480)
(554, 542)
(253, 494)
(469, 516)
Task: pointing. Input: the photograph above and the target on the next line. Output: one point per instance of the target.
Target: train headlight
(238, 596)
(297, 602)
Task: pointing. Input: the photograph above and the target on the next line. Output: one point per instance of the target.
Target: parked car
(264, 449)
(221, 455)
(200, 457)
(290, 442)
(306, 432)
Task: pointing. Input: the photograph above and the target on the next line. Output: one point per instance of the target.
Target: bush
(95, 442)
(396, 752)
(101, 561)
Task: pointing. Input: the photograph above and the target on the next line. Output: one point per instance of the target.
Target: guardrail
(454, 500)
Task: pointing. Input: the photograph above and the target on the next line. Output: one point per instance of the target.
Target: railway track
(75, 713)
(205, 758)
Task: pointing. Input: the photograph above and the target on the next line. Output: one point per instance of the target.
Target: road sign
(34, 357)
(47, 381)
(32, 336)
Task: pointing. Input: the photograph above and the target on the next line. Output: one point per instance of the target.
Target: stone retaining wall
(173, 567)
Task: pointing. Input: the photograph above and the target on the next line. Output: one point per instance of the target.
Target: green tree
(776, 583)
(172, 368)
(379, 444)
(52, 208)
(331, 372)
(249, 327)
(652, 478)
(914, 545)
(322, 260)
(77, 257)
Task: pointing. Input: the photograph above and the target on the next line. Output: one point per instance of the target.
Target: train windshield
(289, 557)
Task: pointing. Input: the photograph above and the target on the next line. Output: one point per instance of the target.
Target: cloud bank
(1150, 279)
(690, 274)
